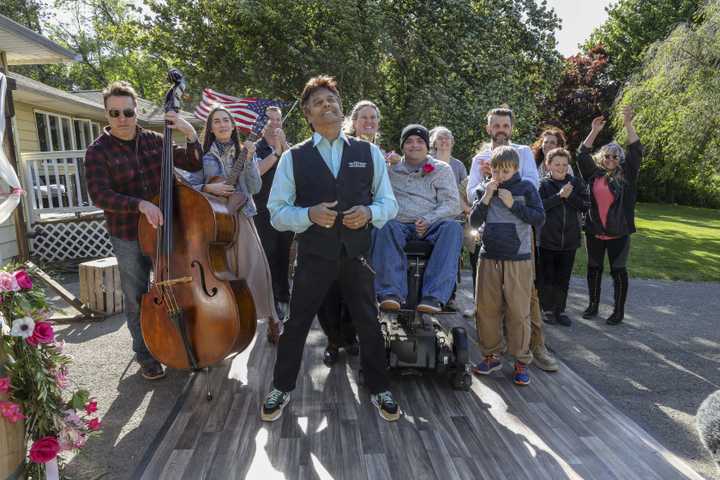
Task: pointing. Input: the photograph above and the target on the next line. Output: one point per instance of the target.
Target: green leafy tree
(677, 96)
(426, 61)
(25, 12)
(110, 39)
(633, 25)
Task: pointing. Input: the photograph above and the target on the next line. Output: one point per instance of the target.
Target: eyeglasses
(127, 113)
(610, 155)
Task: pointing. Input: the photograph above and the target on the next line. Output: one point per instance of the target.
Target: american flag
(245, 111)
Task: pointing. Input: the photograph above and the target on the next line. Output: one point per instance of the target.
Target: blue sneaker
(487, 366)
(521, 376)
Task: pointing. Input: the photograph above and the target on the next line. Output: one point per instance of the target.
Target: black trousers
(313, 278)
(334, 318)
(618, 250)
(277, 250)
(555, 267)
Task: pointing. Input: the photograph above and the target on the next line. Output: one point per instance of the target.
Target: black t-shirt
(262, 150)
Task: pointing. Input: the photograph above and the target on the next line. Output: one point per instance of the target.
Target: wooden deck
(557, 427)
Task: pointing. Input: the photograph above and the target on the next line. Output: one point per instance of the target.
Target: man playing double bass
(330, 190)
(123, 171)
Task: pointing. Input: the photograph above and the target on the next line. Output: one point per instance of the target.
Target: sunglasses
(127, 113)
(610, 155)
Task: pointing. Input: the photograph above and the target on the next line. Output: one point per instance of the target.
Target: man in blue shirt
(331, 190)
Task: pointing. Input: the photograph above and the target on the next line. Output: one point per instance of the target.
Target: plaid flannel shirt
(121, 174)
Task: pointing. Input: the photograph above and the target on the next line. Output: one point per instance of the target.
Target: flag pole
(290, 111)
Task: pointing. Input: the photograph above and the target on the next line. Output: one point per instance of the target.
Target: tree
(24, 12)
(426, 61)
(677, 97)
(108, 36)
(633, 25)
(584, 92)
(110, 39)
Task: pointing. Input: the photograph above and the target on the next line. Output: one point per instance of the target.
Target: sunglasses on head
(127, 113)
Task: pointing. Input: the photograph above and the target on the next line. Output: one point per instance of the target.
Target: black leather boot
(594, 280)
(620, 285)
(560, 317)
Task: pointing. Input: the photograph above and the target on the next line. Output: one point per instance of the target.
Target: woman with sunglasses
(612, 178)
(246, 258)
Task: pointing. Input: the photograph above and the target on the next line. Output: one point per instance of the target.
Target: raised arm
(585, 162)
(628, 115)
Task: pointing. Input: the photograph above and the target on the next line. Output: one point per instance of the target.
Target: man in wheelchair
(429, 203)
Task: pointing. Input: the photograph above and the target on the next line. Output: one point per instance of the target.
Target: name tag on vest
(357, 164)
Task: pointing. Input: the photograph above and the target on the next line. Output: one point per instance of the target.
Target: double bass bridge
(173, 281)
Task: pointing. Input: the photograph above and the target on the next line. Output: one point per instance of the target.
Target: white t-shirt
(528, 170)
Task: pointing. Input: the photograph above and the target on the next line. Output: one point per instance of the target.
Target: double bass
(196, 311)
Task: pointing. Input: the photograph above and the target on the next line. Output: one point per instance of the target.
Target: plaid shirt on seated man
(121, 173)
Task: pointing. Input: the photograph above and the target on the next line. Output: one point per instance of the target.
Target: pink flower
(72, 418)
(5, 384)
(44, 449)
(428, 168)
(71, 438)
(23, 279)
(8, 283)
(93, 424)
(59, 345)
(11, 411)
(91, 407)
(43, 333)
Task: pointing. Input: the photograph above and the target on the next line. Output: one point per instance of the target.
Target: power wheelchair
(418, 341)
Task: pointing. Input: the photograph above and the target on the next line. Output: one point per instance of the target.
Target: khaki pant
(537, 337)
(504, 288)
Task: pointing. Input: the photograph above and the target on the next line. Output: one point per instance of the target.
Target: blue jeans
(134, 278)
(389, 260)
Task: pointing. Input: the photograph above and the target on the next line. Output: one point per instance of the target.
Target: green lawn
(672, 243)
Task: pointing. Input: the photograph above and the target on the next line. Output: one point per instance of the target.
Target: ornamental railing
(55, 184)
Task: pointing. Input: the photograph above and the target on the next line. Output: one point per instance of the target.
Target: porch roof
(88, 103)
(22, 46)
(44, 96)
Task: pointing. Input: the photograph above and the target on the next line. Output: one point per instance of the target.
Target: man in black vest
(276, 244)
(331, 190)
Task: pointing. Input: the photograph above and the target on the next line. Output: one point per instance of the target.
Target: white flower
(23, 327)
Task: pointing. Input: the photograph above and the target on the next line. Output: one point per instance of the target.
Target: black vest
(314, 183)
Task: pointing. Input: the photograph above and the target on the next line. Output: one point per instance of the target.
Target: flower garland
(34, 375)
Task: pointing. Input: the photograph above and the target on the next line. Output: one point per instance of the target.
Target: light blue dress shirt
(285, 216)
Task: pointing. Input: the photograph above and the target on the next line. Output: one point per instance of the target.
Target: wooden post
(100, 288)
(20, 225)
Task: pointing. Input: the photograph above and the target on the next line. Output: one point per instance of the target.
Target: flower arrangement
(34, 375)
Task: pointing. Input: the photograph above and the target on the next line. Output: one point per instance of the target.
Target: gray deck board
(558, 427)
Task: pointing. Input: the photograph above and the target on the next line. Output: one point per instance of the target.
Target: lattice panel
(70, 240)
